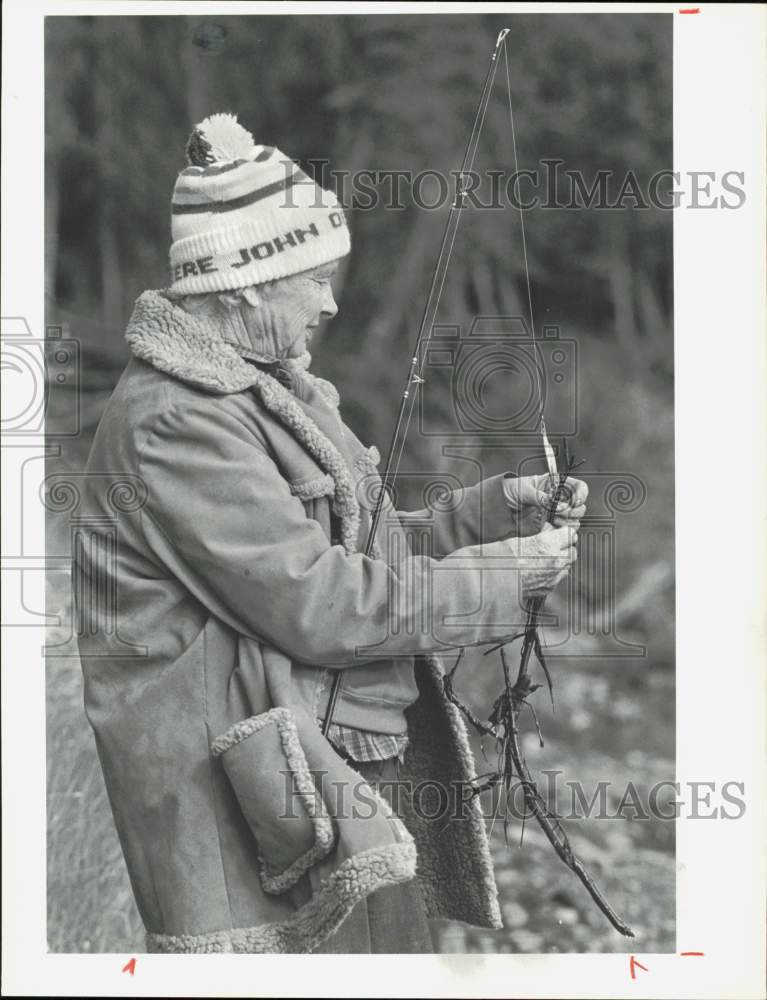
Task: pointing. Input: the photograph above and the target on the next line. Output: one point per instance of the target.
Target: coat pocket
(267, 767)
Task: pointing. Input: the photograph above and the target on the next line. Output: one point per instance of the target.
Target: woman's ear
(251, 295)
(231, 300)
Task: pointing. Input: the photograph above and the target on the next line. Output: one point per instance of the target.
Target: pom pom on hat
(219, 139)
(243, 213)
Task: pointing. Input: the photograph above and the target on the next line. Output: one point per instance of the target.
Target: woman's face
(289, 310)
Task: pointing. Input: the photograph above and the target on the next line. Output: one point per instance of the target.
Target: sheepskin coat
(234, 577)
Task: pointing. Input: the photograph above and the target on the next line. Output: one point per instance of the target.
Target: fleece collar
(191, 348)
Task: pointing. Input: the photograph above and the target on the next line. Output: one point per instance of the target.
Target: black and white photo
(371, 412)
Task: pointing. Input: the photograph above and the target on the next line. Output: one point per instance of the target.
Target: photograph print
(360, 490)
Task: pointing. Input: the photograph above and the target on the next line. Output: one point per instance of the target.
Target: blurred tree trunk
(111, 279)
(654, 322)
(60, 133)
(357, 159)
(512, 304)
(196, 62)
(400, 300)
(108, 166)
(622, 290)
(52, 187)
(484, 289)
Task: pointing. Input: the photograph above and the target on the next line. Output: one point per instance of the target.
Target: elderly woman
(238, 588)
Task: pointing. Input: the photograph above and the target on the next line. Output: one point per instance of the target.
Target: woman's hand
(529, 498)
(545, 558)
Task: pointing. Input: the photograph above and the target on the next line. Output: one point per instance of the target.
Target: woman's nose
(329, 307)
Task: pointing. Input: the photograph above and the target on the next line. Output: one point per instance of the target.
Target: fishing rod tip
(502, 34)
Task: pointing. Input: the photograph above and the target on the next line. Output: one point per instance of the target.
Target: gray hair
(210, 303)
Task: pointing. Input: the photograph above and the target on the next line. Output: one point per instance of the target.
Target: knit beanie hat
(242, 214)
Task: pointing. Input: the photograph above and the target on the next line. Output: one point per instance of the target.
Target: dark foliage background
(399, 93)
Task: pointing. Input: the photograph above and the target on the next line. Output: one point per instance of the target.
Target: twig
(503, 724)
(551, 826)
(447, 685)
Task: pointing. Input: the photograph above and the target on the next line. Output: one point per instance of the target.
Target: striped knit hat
(243, 214)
